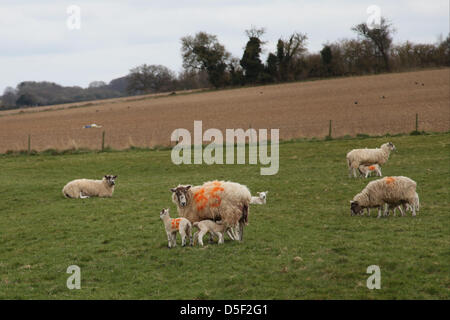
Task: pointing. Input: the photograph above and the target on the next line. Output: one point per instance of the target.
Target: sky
(38, 41)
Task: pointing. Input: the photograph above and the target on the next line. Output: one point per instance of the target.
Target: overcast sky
(37, 45)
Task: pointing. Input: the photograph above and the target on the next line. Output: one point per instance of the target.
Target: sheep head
(181, 195)
(355, 208)
(110, 179)
(164, 213)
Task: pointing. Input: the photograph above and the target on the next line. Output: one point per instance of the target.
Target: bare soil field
(372, 105)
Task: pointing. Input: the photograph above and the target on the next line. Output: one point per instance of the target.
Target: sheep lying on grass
(357, 157)
(211, 227)
(393, 191)
(85, 188)
(260, 199)
(173, 226)
(215, 200)
(367, 170)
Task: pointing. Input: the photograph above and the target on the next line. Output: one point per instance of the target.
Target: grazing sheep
(393, 191)
(260, 199)
(172, 226)
(357, 157)
(405, 206)
(214, 200)
(85, 188)
(367, 170)
(211, 227)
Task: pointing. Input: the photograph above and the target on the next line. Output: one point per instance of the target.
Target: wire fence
(100, 139)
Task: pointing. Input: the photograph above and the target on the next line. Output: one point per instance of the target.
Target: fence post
(417, 122)
(329, 130)
(103, 140)
(29, 144)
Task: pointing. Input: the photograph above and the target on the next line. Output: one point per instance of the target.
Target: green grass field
(120, 244)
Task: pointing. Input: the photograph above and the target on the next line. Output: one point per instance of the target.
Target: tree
(251, 62)
(380, 37)
(9, 97)
(288, 53)
(326, 56)
(204, 52)
(26, 99)
(97, 84)
(150, 78)
(272, 66)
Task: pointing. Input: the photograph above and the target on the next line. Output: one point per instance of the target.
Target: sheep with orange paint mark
(392, 191)
(173, 226)
(367, 170)
(223, 201)
(366, 156)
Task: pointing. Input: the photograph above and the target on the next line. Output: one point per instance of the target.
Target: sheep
(260, 199)
(405, 206)
(366, 156)
(172, 226)
(85, 188)
(367, 170)
(211, 227)
(393, 191)
(214, 200)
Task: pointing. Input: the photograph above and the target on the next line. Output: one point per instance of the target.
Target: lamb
(389, 190)
(214, 200)
(85, 188)
(367, 170)
(211, 227)
(260, 199)
(357, 157)
(172, 226)
(405, 206)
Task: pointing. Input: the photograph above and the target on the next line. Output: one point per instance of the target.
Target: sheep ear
(106, 177)
(173, 189)
(188, 187)
(115, 177)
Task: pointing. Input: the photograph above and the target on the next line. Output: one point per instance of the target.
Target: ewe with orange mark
(393, 191)
(357, 157)
(214, 200)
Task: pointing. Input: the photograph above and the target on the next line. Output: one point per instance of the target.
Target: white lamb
(260, 199)
(173, 226)
(85, 188)
(367, 170)
(215, 200)
(211, 227)
(393, 191)
(357, 157)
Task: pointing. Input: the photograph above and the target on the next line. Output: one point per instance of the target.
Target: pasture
(303, 244)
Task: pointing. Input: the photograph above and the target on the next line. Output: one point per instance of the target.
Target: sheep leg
(82, 196)
(174, 239)
(379, 212)
(200, 237)
(413, 207)
(169, 240)
(241, 231)
(196, 237)
(368, 212)
(220, 237)
(183, 237)
(230, 234)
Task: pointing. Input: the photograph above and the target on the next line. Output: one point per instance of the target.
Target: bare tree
(381, 37)
(150, 78)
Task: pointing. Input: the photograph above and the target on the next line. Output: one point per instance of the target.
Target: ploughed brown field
(372, 105)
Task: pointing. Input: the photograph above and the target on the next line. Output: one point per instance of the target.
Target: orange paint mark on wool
(175, 223)
(207, 193)
(389, 180)
(371, 168)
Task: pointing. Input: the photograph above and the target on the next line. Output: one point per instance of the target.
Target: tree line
(207, 63)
